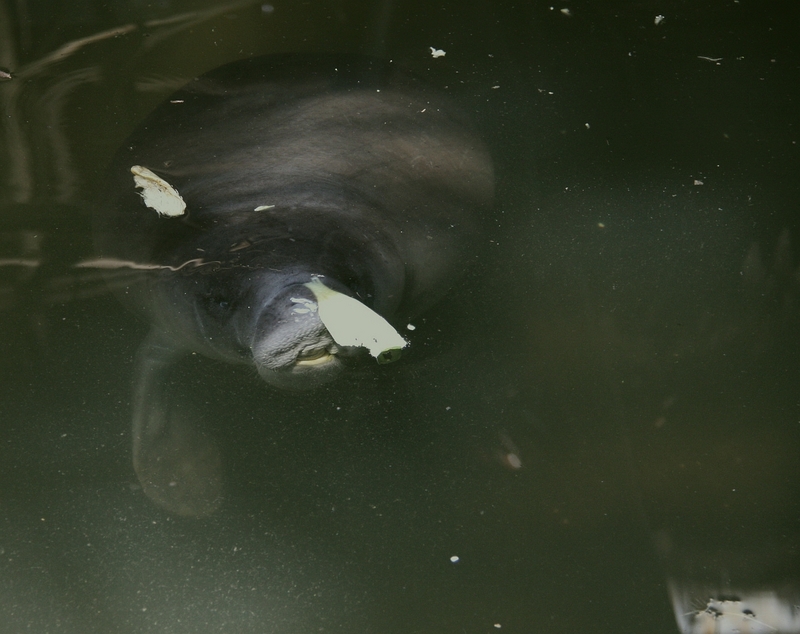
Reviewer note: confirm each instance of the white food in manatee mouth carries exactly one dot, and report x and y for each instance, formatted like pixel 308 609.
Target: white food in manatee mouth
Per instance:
pixel 316 357
pixel 352 324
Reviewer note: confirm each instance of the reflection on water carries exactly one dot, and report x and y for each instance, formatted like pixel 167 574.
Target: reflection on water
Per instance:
pixel 756 613
pixel 729 592
pixel 602 426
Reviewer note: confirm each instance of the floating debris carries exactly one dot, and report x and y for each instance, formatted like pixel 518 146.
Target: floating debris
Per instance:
pixel 761 612
pixel 157 193
pixel 112 263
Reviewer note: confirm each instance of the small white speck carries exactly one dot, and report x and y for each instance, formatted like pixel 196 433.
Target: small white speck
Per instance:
pixel 566 12
pixel 437 52
pixel 263 207
pixel 698 182
pixel 176 101
pixel 455 559
pixel 587 125
pixel 447 409
pixel 498 626
pixel 659 19
pixel 411 326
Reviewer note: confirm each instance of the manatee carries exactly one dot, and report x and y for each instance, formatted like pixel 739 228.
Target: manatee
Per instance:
pixel 287 213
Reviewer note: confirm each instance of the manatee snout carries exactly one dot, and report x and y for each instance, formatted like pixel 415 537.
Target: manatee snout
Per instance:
pixel 291 347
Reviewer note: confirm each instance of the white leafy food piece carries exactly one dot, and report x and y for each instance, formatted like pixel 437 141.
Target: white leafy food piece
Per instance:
pixel 157 193
pixel 350 323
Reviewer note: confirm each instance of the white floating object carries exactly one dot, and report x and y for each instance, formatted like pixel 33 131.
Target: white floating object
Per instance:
pixel 759 612
pixel 350 323
pixel 659 19
pixel 455 559
pixel 437 52
pixel 157 193
pixel 263 207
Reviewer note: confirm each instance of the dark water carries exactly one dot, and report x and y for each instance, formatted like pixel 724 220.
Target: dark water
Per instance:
pixel 630 338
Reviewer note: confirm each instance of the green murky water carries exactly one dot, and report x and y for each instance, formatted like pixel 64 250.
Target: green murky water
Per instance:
pixel 610 401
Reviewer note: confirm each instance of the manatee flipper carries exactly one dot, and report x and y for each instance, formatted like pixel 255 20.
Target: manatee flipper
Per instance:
pixel 178 466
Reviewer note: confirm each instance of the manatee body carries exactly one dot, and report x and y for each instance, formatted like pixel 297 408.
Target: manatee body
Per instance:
pixel 290 169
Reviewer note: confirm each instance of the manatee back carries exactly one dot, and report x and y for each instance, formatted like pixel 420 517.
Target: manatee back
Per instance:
pixel 349 143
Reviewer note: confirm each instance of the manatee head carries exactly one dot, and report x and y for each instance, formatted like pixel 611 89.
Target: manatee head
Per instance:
pixel 260 302
pixel 290 345
pixel 261 318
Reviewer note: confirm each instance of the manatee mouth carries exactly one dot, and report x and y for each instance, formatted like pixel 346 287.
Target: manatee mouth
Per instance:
pixel 291 346
pixel 315 363
pixel 315 357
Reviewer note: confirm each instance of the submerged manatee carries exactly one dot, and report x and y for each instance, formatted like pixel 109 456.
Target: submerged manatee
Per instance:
pixel 278 211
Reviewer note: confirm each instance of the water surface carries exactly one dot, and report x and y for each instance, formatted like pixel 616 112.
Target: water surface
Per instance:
pixel 607 404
